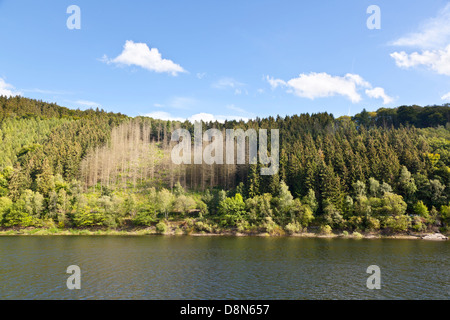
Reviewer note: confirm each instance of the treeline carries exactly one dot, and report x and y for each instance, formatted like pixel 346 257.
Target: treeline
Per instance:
pixel 387 170
pixel 419 117
pixel 20 107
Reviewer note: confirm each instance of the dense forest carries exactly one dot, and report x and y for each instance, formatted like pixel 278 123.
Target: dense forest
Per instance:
pixel 386 171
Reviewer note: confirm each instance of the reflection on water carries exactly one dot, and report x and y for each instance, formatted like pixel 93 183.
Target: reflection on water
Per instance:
pixel 150 267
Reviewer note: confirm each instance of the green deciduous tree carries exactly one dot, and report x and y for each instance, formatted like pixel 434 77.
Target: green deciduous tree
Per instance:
pixel 232 210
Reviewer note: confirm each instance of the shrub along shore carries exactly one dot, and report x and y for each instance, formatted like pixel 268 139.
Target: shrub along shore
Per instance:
pixel 189 229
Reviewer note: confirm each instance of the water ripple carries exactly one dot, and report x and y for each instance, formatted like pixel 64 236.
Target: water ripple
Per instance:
pixel 221 268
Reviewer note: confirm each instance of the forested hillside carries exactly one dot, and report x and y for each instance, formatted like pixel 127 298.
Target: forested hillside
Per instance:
pixel 383 171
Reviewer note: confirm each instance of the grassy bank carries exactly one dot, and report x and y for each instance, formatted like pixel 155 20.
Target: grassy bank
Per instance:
pixel 173 229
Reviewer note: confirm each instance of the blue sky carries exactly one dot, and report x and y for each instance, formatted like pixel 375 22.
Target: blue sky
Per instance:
pixel 228 59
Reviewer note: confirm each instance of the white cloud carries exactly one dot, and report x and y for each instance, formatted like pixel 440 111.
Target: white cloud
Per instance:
pixel 240 111
pixel 141 55
pixel 230 83
pixel 433 33
pixel 201 75
pixel 436 60
pixel 205 117
pixel 433 39
pixel 234 108
pixel 87 103
pixel 446 96
pixel 84 103
pixel 358 80
pixel 182 102
pixel 225 83
pixel 274 83
pixel 377 93
pixel 47 91
pixel 162 115
pixel 320 85
pixel 317 85
pixel 7 89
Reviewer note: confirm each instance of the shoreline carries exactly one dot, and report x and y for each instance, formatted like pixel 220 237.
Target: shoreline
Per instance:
pixel 153 232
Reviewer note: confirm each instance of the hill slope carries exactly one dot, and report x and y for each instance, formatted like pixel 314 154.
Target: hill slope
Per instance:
pixel 386 170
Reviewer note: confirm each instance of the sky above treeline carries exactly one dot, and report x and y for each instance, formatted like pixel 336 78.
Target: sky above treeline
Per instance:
pixel 216 60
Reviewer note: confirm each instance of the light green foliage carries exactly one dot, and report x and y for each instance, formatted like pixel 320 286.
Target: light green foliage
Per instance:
pixel 271 227
pixel 357 235
pixel 392 205
pixel 111 207
pixel 15 217
pixel 25 212
pixel 445 214
pixel 202 226
pixel 259 207
pixel 374 188
pixel 325 230
pixel 203 207
pixel 418 224
pixel 130 206
pixel 178 190
pixel 161 228
pixel 293 227
pixel 243 226
pixel 437 191
pixel 348 207
pixel 165 202
pixel 59 205
pixel 208 198
pixel 232 210
pixel 86 214
pixel 241 189
pixel 359 189
pixel 372 224
pixel 285 197
pixel 398 223
pixel 355 222
pixel 301 213
pixel 184 204
pixel 333 217
pixel 407 183
pixel 311 201
pixel 45 181
pixel 433 219
pixel 4 183
pixel 145 216
pixel 362 206
pixel 283 205
pixel 421 210
pixel 384 188
pixel 5 206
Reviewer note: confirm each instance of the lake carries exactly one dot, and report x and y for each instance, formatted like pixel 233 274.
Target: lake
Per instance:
pixel 187 267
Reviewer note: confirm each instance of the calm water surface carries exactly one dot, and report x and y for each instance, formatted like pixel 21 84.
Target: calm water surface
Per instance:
pixel 150 267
